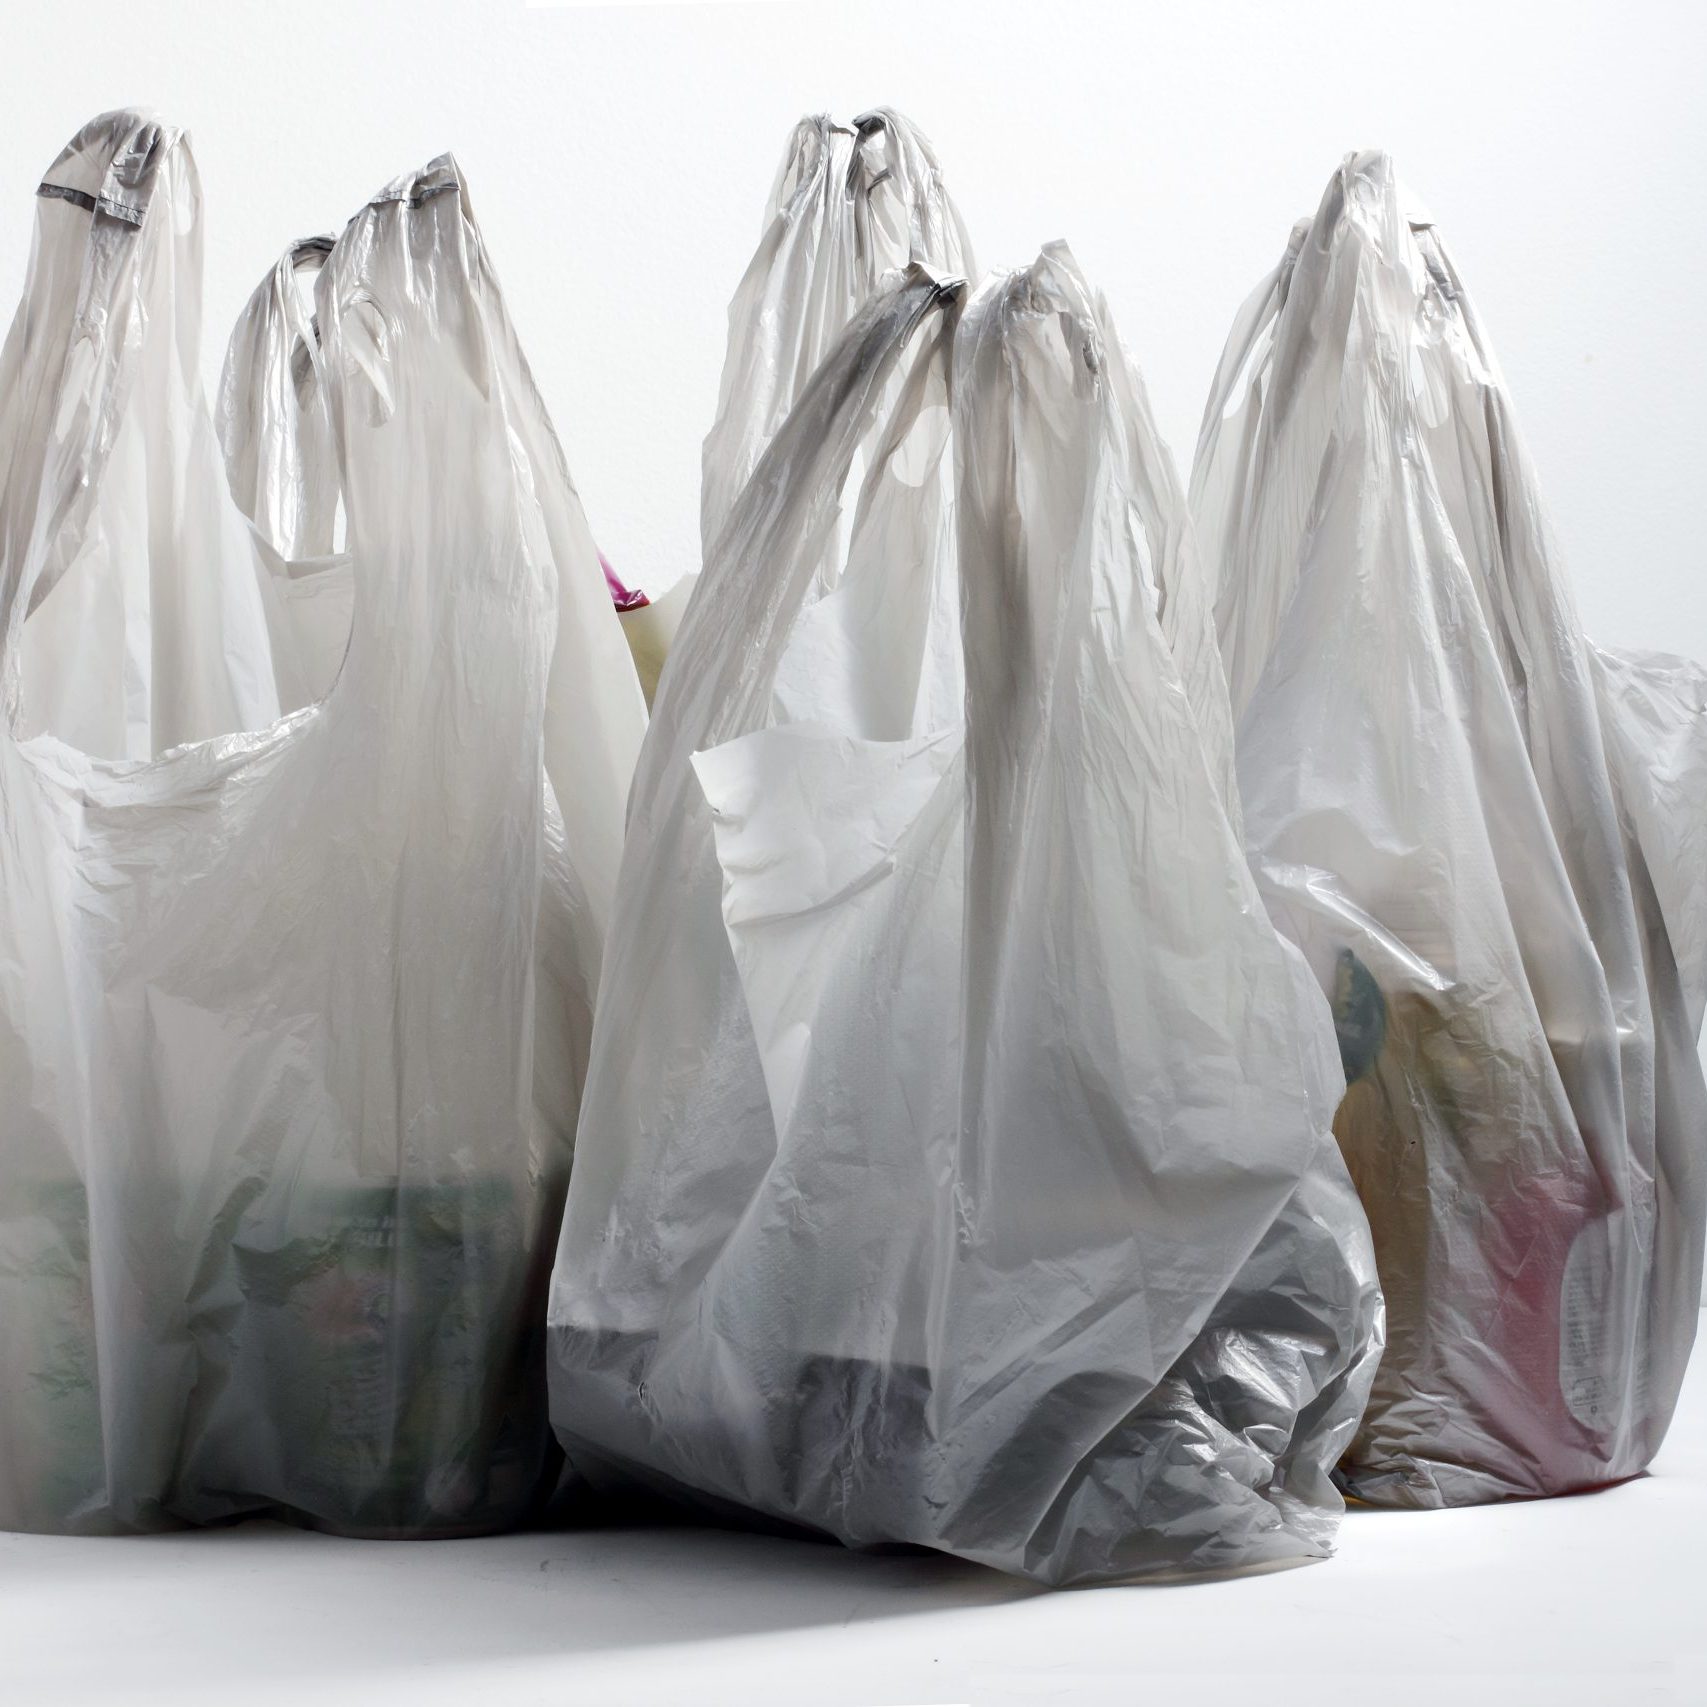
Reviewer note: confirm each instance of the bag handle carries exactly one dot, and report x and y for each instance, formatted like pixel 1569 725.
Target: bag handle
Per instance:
pixel 826 241
pixel 937 235
pixel 411 329
pixel 760 569
pixel 111 170
pixel 1181 589
pixel 285 490
pixel 1076 705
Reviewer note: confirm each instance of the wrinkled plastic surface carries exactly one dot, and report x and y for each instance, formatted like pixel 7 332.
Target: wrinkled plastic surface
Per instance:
pixel 850 204
pixel 275 429
pixel 1488 838
pixel 955 1164
pixel 275 1199
pixel 147 611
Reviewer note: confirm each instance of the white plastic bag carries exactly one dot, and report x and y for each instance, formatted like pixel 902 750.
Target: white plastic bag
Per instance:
pixel 147 625
pixel 954 1166
pixel 1490 841
pixel 274 1197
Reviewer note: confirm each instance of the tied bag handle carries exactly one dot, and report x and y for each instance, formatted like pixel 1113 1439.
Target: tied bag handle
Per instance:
pixel 777 308
pixel 759 571
pixel 849 204
pixel 274 425
pixel 416 399
pixel 112 170
pixel 275 374
pixel 892 154
pixel 809 152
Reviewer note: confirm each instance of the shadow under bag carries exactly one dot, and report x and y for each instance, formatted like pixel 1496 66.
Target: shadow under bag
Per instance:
pixel 273 1190
pixel 955 1164
pixel 1490 840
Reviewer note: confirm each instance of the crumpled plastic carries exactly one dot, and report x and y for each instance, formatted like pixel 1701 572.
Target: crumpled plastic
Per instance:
pixel 278 1180
pixel 1490 840
pixel 955 1164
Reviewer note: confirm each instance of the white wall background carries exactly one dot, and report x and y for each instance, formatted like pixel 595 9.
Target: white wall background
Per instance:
pixel 620 156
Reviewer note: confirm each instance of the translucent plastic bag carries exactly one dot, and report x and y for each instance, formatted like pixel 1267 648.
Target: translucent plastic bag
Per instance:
pixel 1488 838
pixel 147 624
pixel 274 1197
pixel 955 1166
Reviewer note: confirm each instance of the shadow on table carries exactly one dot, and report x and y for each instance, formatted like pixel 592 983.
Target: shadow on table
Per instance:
pixel 621 1577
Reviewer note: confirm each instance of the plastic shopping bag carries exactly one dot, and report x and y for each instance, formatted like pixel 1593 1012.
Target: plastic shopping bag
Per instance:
pixel 274 1195
pixel 1488 839
pixel 955 1163
pixel 147 624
